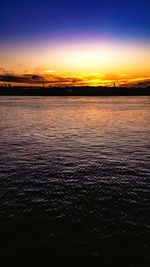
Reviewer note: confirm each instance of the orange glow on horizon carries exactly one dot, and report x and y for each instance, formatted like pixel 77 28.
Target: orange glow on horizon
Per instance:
pixel 79 63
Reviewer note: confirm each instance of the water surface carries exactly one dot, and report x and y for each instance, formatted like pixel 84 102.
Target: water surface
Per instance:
pixel 75 176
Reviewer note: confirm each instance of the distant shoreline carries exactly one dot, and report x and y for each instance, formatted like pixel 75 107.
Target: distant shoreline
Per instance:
pixel 75 91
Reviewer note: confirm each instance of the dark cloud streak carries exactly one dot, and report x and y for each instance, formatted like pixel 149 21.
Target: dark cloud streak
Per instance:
pixel 63 80
pixel 38 79
pixel 25 78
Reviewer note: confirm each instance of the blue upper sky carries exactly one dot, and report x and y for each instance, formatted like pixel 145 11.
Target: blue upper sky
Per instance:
pixel 22 20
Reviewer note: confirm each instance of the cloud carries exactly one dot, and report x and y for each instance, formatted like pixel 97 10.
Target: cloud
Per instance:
pixel 25 78
pixel 3 70
pixel 136 82
pixel 57 79
pixel 142 83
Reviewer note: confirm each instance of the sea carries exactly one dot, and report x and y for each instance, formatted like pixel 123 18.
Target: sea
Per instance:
pixel 75 177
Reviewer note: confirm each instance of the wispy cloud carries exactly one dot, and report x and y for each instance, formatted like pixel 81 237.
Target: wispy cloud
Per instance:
pixel 25 78
pixel 53 78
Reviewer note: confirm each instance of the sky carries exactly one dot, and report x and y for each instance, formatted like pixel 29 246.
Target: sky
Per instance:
pixel 76 42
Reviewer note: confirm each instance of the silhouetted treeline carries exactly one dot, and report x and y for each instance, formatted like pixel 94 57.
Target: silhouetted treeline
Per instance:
pixel 75 91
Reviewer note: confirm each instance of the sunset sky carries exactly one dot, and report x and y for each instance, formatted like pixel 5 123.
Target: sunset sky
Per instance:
pixel 76 42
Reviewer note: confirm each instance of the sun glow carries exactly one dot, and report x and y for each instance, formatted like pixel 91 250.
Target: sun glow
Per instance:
pixel 88 60
pixel 49 71
pixel 80 62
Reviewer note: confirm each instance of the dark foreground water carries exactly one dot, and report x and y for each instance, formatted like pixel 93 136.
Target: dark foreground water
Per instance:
pixel 75 177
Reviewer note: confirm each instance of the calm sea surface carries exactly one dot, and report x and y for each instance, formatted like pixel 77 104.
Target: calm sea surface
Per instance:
pixel 75 176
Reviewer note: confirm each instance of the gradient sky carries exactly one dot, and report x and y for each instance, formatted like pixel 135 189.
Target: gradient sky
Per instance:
pixel 76 42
